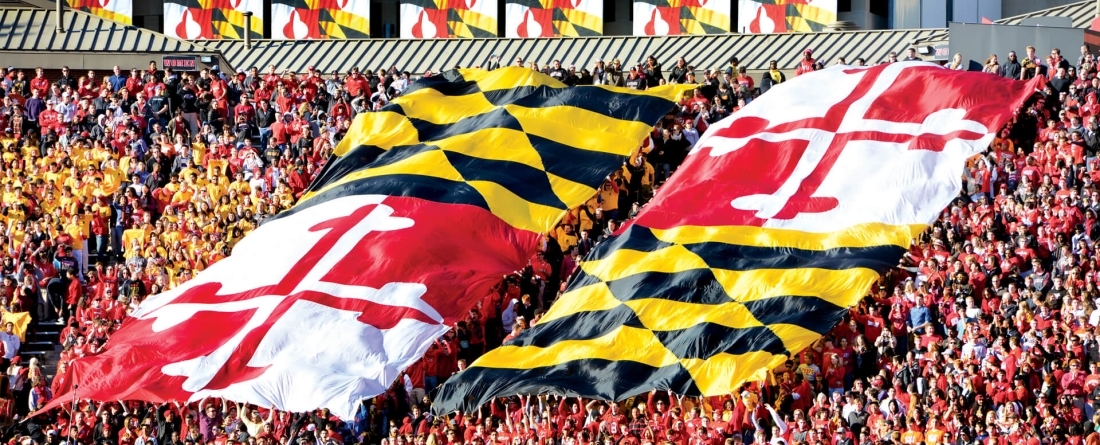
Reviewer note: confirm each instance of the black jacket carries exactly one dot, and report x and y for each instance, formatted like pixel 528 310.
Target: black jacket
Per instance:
pixel 678 74
pixel 1011 69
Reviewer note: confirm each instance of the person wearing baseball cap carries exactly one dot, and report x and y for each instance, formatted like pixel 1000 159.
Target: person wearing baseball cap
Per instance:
pixel 807 64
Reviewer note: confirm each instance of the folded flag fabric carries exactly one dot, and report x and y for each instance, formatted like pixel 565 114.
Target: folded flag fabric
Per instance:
pixel 423 208
pixel 777 223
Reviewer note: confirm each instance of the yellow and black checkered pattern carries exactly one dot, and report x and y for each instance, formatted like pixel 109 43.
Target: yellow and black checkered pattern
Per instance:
pixel 513 141
pixel 693 310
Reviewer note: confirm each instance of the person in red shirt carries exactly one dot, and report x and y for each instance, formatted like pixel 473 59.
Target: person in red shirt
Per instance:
pixel 280 131
pixel 264 93
pixel 807 64
pixel 49 119
pixel 356 84
pixel 74 295
pixel 40 83
pixel 309 91
pixel 285 99
pixel 134 83
pixel 297 128
pixel 271 79
pixel 245 108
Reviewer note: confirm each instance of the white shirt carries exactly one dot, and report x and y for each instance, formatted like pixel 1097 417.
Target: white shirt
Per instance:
pixel 16 379
pixel 11 344
pixel 692 135
pixel 400 84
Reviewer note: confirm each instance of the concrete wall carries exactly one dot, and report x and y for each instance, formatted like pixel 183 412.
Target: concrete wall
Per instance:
pixel 1016 7
pixel 976 42
pixel 78 62
pixel 973 11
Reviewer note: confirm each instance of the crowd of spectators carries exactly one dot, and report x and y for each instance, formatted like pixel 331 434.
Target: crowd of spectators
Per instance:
pixel 119 186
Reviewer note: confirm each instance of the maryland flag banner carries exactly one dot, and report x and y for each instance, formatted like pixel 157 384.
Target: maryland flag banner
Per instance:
pixel 211 19
pixel 551 18
pixel 776 224
pixel 20 321
pixel 121 11
pixel 772 16
pixel 422 209
pixel 428 19
pixel 320 19
pixel 675 17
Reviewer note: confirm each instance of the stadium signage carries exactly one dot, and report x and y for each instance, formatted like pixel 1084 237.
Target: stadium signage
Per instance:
pixel 185 63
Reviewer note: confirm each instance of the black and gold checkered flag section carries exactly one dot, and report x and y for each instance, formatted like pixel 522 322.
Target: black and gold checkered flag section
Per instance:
pixel 513 141
pixel 693 310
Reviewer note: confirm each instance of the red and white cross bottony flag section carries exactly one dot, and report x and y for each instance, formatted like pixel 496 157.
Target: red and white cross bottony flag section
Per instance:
pixel 314 309
pixel 805 155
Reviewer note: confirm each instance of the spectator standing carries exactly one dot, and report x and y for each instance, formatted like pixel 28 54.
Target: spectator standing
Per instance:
pixel 771 78
pixel 653 73
pixel 1011 68
pixel 807 63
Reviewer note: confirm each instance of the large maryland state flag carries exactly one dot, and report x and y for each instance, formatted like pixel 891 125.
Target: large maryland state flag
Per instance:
pixel 425 205
pixel 775 225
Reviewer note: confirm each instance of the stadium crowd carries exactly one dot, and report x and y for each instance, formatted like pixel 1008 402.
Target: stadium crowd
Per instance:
pixel 118 186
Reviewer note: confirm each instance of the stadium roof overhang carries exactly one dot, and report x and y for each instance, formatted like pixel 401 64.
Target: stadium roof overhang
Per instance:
pixel 29 37
pixel 1081 14
pixel 28 34
pixel 702 52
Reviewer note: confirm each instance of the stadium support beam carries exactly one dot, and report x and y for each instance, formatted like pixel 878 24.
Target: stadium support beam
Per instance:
pixel 60 15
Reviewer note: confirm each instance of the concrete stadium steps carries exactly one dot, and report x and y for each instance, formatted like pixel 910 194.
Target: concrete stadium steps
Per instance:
pixel 44 343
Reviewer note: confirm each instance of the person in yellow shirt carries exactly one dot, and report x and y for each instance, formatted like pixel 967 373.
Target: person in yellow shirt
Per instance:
pixel 171 215
pixel 246 224
pixel 71 178
pixel 189 172
pixel 87 160
pixel 9 177
pixel 51 202
pixel 217 188
pixel 94 190
pixel 565 236
pixel 101 153
pixel 8 140
pixel 224 207
pixel 241 186
pixel 16 212
pixel 67 202
pixel 172 235
pixel 133 239
pixel 9 197
pixel 217 170
pixel 129 161
pixel 586 214
pixel 182 196
pixel 198 150
pixel 76 229
pixel 155 249
pixel 18 233
pixel 112 178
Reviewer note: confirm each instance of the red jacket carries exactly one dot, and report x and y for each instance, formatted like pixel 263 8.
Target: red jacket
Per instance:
pixel 76 290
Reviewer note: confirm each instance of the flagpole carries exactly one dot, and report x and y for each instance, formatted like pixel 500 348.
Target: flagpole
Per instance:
pixel 72 415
